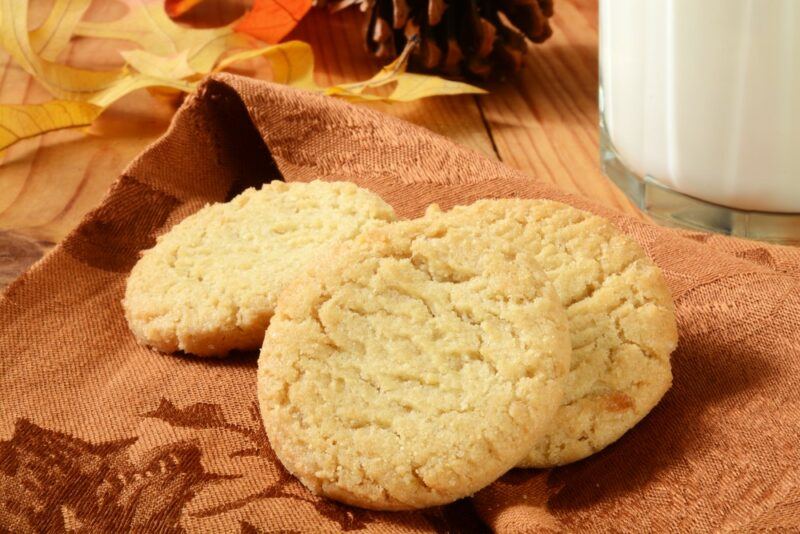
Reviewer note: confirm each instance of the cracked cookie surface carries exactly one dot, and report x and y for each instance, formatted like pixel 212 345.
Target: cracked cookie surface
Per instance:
pixel 210 284
pixel 621 315
pixel 403 371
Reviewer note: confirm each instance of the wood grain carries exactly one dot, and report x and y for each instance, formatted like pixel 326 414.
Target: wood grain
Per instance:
pixel 543 121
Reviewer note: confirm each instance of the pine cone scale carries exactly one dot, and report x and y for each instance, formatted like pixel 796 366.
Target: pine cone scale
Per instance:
pixel 473 37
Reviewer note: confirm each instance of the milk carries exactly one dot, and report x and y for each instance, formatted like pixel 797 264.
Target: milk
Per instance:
pixel 704 96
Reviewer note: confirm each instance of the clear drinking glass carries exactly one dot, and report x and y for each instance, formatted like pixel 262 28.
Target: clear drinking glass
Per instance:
pixel 700 112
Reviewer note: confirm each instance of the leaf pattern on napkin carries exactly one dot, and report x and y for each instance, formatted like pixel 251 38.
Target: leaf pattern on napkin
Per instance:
pixel 40 470
pixel 209 416
pixel 51 481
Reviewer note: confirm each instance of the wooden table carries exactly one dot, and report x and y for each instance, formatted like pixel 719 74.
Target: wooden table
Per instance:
pixel 543 121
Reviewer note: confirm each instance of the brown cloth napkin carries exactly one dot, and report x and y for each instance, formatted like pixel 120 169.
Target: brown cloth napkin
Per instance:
pixel 100 434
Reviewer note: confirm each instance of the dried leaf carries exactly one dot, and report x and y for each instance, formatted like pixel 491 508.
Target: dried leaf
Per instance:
pixel 133 82
pixel 100 88
pixel 175 67
pixel 272 20
pixel 53 36
pixel 292 63
pixel 171 58
pixel 80 94
pixel 412 86
pixel 409 86
pixel 149 26
pixel 62 81
pixel 22 121
pixel 176 8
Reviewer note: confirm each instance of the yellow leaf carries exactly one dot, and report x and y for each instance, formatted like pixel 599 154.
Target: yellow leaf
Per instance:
pixel 29 120
pixel 49 39
pixel 148 25
pixel 22 121
pixel 81 93
pixel 63 82
pixel 175 67
pixel 132 82
pixel 412 86
pixel 409 86
pixel 169 59
pixel 292 63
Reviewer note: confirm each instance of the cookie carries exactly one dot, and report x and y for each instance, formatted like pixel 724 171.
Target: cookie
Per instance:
pixel 620 311
pixel 395 376
pixel 210 284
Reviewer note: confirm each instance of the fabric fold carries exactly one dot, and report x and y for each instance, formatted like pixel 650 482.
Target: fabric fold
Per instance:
pixel 97 432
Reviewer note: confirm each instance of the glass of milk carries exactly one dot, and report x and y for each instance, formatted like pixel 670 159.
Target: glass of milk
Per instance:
pixel 700 112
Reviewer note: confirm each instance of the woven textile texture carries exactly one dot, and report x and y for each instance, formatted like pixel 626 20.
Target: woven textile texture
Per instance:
pixel 98 433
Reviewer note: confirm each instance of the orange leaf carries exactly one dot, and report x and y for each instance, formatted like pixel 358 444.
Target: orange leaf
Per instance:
pixel 272 20
pixel 176 8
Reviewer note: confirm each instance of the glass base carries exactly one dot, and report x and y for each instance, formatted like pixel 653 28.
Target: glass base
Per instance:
pixel 672 208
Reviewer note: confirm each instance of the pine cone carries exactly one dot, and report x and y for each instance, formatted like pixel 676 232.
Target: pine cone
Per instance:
pixel 474 37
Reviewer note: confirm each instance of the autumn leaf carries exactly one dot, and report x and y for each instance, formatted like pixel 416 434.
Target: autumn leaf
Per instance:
pixel 293 64
pixel 81 94
pixel 149 26
pixel 62 81
pixel 53 36
pixel 136 81
pixel 170 58
pixel 268 20
pixel 409 86
pixel 272 20
pixel 23 121
pixel 99 88
pixel 175 67
pixel 176 8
